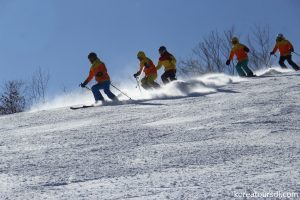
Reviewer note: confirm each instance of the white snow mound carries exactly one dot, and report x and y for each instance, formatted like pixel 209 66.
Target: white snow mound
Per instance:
pixel 181 88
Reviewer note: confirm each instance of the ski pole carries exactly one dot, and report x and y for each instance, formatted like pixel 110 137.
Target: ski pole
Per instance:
pixel 268 63
pixel 85 87
pixel 138 84
pixel 121 91
pixel 296 53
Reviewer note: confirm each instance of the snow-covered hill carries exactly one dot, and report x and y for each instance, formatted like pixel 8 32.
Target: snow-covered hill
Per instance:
pixel 214 137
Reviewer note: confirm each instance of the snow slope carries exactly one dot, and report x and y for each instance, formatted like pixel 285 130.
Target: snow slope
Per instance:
pixel 217 136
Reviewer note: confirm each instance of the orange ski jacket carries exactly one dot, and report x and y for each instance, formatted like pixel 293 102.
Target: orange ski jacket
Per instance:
pixel 239 50
pixel 284 46
pixel 147 66
pixel 99 71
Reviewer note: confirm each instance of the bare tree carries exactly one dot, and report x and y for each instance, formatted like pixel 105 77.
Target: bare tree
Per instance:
pixel 38 87
pixel 260 45
pixel 190 67
pixel 209 55
pixel 12 100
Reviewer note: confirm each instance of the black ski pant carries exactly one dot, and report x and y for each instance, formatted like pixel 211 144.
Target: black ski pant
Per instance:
pixel 168 76
pixel 289 59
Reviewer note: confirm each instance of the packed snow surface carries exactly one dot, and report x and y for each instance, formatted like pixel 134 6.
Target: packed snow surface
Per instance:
pixel 211 137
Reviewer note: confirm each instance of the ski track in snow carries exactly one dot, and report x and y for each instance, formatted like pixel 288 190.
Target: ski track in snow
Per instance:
pixel 232 135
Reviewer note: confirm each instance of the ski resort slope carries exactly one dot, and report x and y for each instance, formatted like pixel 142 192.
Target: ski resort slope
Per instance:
pixel 238 137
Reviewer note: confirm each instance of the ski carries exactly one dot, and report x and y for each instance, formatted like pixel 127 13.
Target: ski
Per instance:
pixel 108 103
pixel 81 107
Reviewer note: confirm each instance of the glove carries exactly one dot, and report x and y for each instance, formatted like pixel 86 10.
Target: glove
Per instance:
pixel 228 62
pixel 136 74
pixel 83 84
pixel 271 53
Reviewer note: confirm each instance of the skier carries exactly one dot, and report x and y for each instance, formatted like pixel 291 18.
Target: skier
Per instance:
pixel 147 66
pixel 285 49
pixel 169 62
pixel 99 71
pixel 240 51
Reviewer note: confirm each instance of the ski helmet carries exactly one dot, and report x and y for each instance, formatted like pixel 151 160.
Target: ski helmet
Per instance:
pixel 280 35
pixel 162 49
pixel 234 40
pixel 92 56
pixel 141 54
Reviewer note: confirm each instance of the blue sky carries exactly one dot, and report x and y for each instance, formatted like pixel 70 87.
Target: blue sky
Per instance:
pixel 57 35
